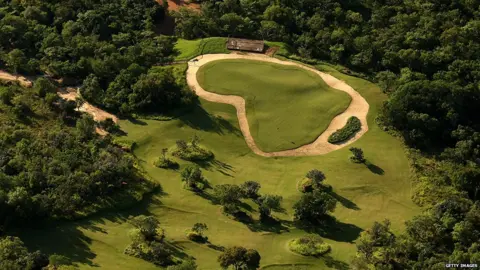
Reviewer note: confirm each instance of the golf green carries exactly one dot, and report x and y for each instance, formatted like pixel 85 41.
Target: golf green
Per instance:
pixel 286 106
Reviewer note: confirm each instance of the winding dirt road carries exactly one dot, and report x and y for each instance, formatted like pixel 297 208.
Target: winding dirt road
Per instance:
pixel 358 107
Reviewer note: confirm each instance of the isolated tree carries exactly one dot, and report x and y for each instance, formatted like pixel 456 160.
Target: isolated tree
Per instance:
pixel 267 204
pixel 195 140
pixel 317 177
pixel 164 153
pixel 250 189
pixel 313 207
pixel 192 176
pixel 229 197
pixel 239 258
pixel 228 193
pixel 148 226
pixel 199 228
pixel 357 155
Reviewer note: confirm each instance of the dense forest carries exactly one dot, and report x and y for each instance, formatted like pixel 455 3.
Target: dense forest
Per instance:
pixel 424 54
pixel 107 46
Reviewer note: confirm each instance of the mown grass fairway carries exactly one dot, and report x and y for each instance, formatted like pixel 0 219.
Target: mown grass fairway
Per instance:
pixel 286 106
pixel 366 194
pixel 191 48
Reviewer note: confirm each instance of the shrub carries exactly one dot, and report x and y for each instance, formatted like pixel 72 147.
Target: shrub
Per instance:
pixel 165 163
pixel 305 185
pixel 196 237
pixel 353 126
pixel 126 145
pixel 309 246
pixel 357 155
pixel 193 178
pixel 109 125
pixel 191 151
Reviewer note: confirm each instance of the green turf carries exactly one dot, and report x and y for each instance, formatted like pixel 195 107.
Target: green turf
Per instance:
pixel 287 106
pixel 367 194
pixel 189 49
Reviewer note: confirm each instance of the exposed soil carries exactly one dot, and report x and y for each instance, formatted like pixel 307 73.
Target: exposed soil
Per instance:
pixel 177 4
pixel 68 93
pixel 358 106
pixel 98 114
pixel 271 51
pixel 23 81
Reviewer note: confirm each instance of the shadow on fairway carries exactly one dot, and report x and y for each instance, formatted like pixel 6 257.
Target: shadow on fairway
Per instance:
pixel 271 225
pixel 374 168
pixel 198 118
pixel 344 201
pixel 332 263
pixel 67 238
pixel 334 230
pixel 214 164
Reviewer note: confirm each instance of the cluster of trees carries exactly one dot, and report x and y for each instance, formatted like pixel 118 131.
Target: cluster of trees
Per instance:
pixel 426 57
pixel 316 204
pixel 239 258
pixel 230 196
pixel 109 46
pixel 449 232
pixel 51 169
pixel 148 241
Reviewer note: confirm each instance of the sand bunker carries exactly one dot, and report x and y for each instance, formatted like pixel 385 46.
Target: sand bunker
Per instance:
pixel 358 106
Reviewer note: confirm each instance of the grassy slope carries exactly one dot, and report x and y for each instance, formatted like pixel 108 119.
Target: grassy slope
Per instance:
pixel 287 106
pixel 191 48
pixel 99 242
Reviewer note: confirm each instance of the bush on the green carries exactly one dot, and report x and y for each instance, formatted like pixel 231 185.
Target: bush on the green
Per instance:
pixel 353 126
pixel 309 246
pixel 165 163
pixel 191 151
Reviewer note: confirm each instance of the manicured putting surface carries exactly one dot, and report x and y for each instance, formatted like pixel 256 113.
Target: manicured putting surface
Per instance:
pixel 286 106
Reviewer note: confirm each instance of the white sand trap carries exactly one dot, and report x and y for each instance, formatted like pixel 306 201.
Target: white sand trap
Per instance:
pixel 358 106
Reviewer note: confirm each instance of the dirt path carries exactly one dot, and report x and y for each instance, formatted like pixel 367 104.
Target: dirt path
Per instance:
pixel 358 107
pixel 68 93
pixel 23 81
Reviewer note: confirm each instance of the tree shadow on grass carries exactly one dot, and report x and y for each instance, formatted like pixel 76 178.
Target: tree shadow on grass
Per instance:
pixel 344 201
pixel 136 121
pixel 334 230
pixel 268 225
pixel 216 247
pixel 68 238
pixel 214 164
pixel 335 264
pixel 198 118
pixel 374 168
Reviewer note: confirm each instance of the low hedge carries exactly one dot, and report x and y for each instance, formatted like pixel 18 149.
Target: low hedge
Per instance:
pixel 353 126
pixel 165 163
pixel 309 246
pixel 192 153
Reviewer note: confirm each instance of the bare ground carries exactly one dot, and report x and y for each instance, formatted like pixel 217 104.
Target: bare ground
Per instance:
pixel 358 107
pixel 68 93
pixel 23 81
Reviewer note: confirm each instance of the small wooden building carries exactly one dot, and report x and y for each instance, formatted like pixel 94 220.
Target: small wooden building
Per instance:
pixel 245 45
